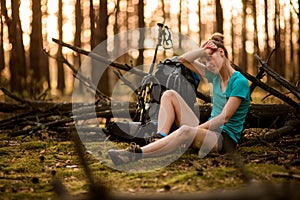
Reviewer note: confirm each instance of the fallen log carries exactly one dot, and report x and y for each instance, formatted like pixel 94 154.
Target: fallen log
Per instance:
pixel 40 126
pixel 259 115
pixel 290 127
pixel 12 107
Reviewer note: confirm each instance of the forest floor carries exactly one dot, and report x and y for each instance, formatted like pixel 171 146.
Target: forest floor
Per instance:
pixel 30 164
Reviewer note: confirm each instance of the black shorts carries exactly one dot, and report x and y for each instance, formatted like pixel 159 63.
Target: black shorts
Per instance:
pixel 228 144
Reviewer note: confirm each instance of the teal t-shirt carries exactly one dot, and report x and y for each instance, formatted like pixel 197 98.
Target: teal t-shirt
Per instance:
pixel 237 86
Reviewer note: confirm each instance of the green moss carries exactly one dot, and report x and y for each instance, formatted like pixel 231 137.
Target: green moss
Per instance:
pixel 180 177
pixel 20 162
pixel 6 151
pixel 34 145
pixel 262 171
pixel 65 146
pixel 254 150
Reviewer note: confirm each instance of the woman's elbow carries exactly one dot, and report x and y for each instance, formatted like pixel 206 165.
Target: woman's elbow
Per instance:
pixel 226 119
pixel 183 60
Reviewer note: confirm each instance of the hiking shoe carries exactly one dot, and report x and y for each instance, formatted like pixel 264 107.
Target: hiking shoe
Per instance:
pixel 120 157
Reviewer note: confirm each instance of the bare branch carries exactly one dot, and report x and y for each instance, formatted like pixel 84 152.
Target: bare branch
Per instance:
pixel 93 55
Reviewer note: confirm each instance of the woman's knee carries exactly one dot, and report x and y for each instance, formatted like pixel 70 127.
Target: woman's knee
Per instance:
pixel 187 132
pixel 170 94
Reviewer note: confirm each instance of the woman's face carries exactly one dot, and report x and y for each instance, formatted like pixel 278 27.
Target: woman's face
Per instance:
pixel 213 60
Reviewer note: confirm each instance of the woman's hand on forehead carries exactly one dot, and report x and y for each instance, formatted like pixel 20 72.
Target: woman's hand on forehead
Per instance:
pixel 210 45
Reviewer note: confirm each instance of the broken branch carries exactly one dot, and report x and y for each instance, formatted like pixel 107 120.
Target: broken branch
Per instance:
pixel 278 78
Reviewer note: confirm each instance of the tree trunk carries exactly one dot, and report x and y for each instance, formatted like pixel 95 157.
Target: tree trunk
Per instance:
pixel 92 23
pixel 179 24
pixel 100 22
pixel 19 50
pixel 44 57
pixel 94 68
pixel 36 54
pixel 268 51
pixel 219 16
pixel 232 37
pixel 162 9
pixel 298 40
pixel 2 60
pixel 17 61
pixel 255 34
pixel 77 38
pixel 278 44
pixel 116 27
pixel 243 58
pixel 199 22
pixel 187 13
pixel 140 60
pixel 293 72
pixel 105 85
pixel 60 68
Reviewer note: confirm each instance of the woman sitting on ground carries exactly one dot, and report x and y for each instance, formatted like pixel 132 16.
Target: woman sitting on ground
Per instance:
pixel 231 99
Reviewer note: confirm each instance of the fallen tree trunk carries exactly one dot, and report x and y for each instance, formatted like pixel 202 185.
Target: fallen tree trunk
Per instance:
pixel 259 115
pixel 269 115
pixel 290 127
pixel 256 112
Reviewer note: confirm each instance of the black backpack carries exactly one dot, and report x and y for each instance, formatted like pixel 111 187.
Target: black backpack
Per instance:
pixel 172 74
pixel 169 74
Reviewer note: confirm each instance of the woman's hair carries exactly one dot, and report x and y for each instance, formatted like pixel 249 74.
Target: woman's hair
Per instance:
pixel 218 40
pixel 218 37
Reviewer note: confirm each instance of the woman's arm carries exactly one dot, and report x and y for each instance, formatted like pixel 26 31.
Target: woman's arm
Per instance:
pixel 228 111
pixel 190 60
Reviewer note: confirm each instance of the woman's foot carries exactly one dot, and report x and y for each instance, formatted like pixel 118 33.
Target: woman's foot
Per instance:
pixel 120 157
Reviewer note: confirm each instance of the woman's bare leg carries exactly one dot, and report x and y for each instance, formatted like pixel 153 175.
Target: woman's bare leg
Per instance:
pixel 207 139
pixel 197 138
pixel 182 136
pixel 174 109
